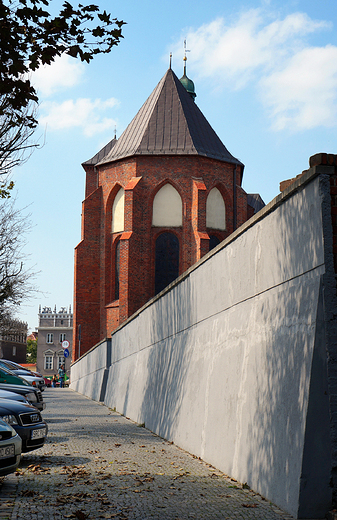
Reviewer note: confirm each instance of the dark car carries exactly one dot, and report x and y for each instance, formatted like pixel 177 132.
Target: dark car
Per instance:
pixel 12 383
pixel 4 394
pixel 32 378
pixel 26 421
pixel 10 449
pixel 33 396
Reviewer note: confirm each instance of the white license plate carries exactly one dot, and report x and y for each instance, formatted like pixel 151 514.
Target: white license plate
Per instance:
pixel 7 451
pixel 38 434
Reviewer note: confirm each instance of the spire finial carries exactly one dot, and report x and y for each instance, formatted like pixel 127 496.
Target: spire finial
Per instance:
pixel 115 133
pixel 185 81
pixel 185 57
pixel 170 59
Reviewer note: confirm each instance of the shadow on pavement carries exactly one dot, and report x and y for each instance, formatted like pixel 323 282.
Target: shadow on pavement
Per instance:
pixel 51 460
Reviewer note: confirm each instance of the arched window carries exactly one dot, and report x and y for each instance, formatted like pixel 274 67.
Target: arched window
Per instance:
pixel 213 241
pixel 118 212
pixel 215 210
pixel 167 260
pixel 167 208
pixel 117 266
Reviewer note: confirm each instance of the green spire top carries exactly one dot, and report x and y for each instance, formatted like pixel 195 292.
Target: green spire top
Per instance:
pixel 185 81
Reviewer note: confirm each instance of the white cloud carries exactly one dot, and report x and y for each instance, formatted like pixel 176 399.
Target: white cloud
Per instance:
pixel 296 82
pixel 64 72
pixel 83 113
pixel 304 93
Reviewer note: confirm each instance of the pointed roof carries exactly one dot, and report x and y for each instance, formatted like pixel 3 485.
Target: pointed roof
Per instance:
pixel 102 153
pixel 169 123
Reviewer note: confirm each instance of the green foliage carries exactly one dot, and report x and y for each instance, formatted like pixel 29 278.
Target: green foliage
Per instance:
pixel 31 350
pixel 5 189
pixel 31 37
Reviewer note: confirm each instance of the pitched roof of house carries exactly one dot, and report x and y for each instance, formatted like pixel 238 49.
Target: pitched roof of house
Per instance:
pixel 255 200
pixel 169 123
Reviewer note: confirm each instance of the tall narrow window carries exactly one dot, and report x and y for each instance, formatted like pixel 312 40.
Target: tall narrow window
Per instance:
pixel 117 266
pixel 48 362
pixel 215 210
pixel 167 208
pixel 167 260
pixel 213 242
pixel 118 212
pixel 49 338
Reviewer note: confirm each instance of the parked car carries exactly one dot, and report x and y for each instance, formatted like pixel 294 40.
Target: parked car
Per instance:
pixel 26 421
pixel 47 381
pixel 33 396
pixel 5 394
pixel 13 383
pixel 21 367
pixel 29 376
pixel 10 449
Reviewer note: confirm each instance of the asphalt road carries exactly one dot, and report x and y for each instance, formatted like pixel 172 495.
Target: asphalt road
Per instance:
pixel 98 464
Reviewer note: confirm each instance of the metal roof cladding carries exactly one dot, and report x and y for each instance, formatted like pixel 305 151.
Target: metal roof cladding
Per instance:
pixel 169 123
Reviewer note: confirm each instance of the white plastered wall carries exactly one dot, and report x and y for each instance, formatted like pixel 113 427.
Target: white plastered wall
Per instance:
pixel 221 364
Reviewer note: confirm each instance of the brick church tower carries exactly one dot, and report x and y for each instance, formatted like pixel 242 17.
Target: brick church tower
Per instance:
pixel 156 200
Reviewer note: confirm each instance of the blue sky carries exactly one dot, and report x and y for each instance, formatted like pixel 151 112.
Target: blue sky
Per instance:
pixel 265 74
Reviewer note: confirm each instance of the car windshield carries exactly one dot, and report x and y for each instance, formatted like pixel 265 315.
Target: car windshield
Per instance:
pixel 6 365
pixel 6 371
pixel 14 367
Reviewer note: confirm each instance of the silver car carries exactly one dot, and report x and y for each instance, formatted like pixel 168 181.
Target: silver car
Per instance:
pixel 10 449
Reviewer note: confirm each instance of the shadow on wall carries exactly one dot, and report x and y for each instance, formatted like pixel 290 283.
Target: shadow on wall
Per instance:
pixel 290 458
pixel 168 360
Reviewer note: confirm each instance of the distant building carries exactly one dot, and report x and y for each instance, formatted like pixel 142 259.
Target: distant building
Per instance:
pixel 13 340
pixel 32 336
pixel 54 328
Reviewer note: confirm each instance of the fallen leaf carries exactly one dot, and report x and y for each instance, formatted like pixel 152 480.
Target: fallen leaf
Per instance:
pixel 28 493
pixel 80 515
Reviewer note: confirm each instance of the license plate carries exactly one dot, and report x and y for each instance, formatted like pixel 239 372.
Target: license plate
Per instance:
pixel 7 451
pixel 38 434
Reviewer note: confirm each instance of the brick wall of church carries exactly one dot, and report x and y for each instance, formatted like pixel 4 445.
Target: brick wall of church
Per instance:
pixel 141 177
pixel 87 275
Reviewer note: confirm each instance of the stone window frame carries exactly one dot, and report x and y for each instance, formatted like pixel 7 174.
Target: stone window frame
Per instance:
pixel 48 354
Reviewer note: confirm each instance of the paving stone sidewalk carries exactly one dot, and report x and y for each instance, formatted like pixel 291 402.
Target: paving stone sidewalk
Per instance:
pixel 98 464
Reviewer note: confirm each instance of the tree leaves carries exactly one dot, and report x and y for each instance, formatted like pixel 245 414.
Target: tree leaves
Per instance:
pixel 31 37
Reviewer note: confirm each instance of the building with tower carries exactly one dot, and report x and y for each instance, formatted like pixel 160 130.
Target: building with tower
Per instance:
pixel 54 328
pixel 13 340
pixel 156 201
